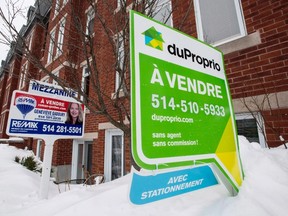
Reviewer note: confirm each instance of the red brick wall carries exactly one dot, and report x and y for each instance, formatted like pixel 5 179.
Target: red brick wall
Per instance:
pixel 184 17
pixel 3 81
pixel 62 152
pixel 259 69
pixel 98 153
pixel 276 125
pixel 262 68
pixel 8 88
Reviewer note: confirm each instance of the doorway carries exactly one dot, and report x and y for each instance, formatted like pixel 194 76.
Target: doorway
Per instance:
pixel 81 159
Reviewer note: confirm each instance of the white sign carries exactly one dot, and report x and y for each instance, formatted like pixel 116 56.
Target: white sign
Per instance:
pixel 51 117
pixel 50 90
pixel 42 117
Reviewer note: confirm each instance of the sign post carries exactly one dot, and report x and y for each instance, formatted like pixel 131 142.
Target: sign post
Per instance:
pixel 181 106
pixel 46 169
pixel 48 118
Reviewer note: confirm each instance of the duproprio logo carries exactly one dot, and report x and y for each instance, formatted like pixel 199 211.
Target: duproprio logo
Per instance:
pixel 153 38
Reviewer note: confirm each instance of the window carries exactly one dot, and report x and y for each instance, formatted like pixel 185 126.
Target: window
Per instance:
pixel 85 83
pixel 114 154
pixel 116 157
pixel 51 46
pixel 120 3
pixel 249 127
pixel 57 8
pixel 29 40
pixel 61 36
pixel 23 76
pixel 219 21
pixel 90 21
pixel 162 11
pixel 64 3
pixel 6 100
pixel 120 60
pixel 11 68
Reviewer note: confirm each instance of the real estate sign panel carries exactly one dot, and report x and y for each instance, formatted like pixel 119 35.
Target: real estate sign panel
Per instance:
pixel 181 107
pixel 34 115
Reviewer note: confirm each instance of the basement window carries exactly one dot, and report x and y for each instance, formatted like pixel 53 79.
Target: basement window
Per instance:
pixel 251 127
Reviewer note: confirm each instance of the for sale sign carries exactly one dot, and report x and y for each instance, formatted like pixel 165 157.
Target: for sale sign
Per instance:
pixel 32 115
pixel 181 106
pixel 46 112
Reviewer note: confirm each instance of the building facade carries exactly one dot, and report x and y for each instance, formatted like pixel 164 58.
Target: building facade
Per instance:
pixel 74 42
pixel 10 70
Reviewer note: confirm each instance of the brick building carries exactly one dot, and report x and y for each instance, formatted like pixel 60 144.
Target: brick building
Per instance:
pixel 10 70
pixel 253 35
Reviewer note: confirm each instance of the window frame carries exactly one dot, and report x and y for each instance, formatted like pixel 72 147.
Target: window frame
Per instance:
pixel 161 3
pixel 29 40
pixel 51 46
pixel 60 38
pixel 85 78
pixel 259 120
pixel 119 3
pixel 23 75
pixel 64 3
pixel 109 133
pixel 90 15
pixel 57 7
pixel 11 68
pixel 119 38
pixel 240 19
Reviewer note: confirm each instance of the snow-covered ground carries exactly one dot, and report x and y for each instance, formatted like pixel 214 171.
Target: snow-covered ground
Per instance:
pixel 264 191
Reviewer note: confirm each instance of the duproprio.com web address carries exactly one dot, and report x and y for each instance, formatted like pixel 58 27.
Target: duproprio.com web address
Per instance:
pixel 171 119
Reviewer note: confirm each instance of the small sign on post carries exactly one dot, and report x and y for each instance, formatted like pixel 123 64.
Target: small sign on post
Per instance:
pixel 47 118
pixel 39 116
pixel 150 188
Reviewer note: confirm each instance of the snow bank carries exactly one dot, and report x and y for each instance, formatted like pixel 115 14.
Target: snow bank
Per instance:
pixel 263 192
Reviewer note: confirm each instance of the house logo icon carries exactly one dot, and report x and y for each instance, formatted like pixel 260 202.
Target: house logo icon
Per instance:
pixel 153 38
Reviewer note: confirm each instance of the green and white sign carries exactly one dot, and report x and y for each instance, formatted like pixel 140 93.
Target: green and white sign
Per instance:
pixel 181 106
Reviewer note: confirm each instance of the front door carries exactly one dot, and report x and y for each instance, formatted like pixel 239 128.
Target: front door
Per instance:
pixel 82 159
